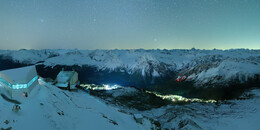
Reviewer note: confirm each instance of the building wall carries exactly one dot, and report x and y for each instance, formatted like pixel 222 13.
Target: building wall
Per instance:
pixel 31 74
pixel 18 92
pixel 74 78
pixel 6 78
pixel 30 88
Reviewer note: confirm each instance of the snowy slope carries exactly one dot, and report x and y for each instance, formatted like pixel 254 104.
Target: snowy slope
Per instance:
pixel 51 108
pixel 226 115
pixel 203 66
pixel 239 114
pixel 227 71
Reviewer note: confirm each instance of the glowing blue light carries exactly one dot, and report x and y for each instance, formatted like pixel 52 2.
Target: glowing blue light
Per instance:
pixel 19 86
pixel 32 81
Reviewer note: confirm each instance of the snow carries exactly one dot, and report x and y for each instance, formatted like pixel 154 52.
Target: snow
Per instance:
pixel 155 73
pixel 138 116
pixel 61 84
pixel 228 70
pixel 245 116
pixel 48 107
pixel 64 76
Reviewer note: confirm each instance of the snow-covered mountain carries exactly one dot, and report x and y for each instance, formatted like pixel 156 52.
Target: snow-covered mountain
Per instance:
pixel 206 68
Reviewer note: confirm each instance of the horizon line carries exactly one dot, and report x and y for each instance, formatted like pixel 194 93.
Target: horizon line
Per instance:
pixel 193 48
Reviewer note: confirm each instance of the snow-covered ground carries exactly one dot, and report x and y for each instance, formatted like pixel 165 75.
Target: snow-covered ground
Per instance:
pixel 48 107
pixel 226 115
pixel 240 114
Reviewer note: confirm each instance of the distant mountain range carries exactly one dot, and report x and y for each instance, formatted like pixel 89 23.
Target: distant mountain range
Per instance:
pixel 205 68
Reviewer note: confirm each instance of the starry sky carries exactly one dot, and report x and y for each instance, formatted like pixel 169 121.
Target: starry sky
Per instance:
pixel 129 24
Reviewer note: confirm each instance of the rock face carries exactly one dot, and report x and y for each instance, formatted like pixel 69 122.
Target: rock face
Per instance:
pixel 144 68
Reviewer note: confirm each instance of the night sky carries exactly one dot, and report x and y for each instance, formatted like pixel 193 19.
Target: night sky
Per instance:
pixel 129 24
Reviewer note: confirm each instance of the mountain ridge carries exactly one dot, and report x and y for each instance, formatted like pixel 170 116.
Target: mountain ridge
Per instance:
pixel 207 68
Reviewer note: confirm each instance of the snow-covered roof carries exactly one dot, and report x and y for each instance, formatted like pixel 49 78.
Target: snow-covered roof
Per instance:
pixel 138 116
pixel 61 84
pixel 64 76
pixel 19 75
pixel 65 85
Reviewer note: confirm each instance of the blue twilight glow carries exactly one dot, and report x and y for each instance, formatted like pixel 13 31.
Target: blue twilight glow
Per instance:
pixel 19 86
